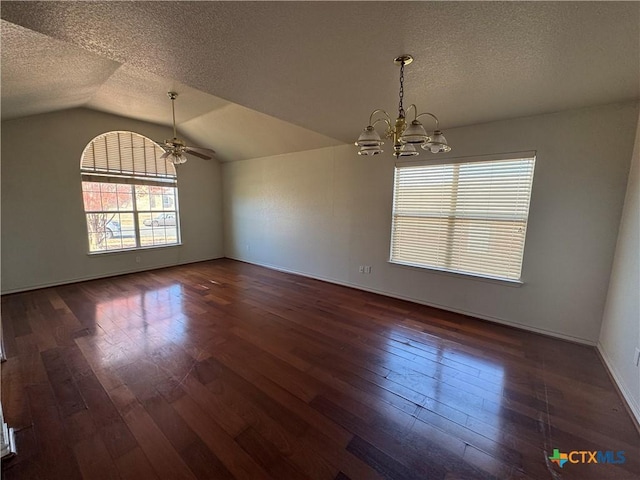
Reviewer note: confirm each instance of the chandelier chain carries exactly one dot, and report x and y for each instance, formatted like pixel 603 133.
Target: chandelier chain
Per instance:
pixel 400 106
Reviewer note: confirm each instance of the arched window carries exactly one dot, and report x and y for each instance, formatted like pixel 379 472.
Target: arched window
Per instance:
pixel 130 194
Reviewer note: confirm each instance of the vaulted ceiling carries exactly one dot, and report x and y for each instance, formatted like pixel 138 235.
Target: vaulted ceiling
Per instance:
pixel 262 78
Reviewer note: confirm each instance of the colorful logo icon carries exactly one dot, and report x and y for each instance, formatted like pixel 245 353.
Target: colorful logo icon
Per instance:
pixel 559 458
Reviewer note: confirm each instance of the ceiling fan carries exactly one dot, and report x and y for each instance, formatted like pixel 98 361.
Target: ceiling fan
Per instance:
pixel 175 148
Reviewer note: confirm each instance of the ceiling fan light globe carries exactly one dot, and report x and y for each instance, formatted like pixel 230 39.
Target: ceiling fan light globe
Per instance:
pixel 177 158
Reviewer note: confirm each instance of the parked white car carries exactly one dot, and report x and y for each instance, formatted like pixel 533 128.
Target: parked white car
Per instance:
pixel 162 219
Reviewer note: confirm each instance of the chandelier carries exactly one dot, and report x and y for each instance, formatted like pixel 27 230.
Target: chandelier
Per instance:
pixel 405 137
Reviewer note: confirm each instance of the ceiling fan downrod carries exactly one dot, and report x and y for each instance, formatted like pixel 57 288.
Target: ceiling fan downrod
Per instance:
pixel 173 96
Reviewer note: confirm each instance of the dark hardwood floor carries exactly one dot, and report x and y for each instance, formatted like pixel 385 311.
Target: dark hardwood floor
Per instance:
pixel 226 370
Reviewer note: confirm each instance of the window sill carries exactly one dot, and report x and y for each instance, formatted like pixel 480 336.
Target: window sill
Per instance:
pixel 471 276
pixel 135 249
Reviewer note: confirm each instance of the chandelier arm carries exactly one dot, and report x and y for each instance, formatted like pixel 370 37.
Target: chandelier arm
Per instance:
pixel 381 120
pixel 415 110
pixel 432 116
pixel 379 110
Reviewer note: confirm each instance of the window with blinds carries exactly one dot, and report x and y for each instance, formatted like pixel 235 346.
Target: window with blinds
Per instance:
pixel 129 193
pixel 465 215
pixel 126 155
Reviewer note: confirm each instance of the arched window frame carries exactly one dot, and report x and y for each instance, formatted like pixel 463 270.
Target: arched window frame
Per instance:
pixel 130 193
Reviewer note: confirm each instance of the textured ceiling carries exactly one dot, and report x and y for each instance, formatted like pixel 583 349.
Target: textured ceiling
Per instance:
pixel 322 66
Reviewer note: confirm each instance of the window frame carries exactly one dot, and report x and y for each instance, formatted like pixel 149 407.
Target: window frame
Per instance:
pixel 156 172
pixel 530 155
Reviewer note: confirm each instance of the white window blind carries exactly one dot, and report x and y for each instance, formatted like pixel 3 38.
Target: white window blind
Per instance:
pixel 128 156
pixel 467 216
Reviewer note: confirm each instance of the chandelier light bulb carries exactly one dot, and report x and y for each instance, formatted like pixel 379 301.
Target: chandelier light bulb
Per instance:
pixel 374 150
pixel 437 144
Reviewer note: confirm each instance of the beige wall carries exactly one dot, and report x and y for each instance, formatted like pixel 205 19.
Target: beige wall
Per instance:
pixel 44 239
pixel 322 213
pixel 620 333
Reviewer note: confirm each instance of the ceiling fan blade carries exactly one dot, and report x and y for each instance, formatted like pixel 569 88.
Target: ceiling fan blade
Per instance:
pixel 205 153
pixel 165 155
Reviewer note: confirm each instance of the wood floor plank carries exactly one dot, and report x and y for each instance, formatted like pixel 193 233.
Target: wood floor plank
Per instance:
pixel 163 457
pixel 108 423
pixel 134 465
pixel 27 465
pixel 235 459
pixel 15 405
pixel 222 369
pixel 337 455
pixel 200 460
pixel 94 459
pixel 15 321
pixel 289 401
pixel 267 455
pixel 388 466
pixel 55 455
pixel 64 386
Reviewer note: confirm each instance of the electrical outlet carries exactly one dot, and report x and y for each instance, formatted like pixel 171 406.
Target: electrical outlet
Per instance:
pixel 636 358
pixel 137 258
pixel 367 269
pixel 361 268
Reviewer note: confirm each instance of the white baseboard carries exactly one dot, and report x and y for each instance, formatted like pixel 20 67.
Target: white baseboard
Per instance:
pixel 542 331
pixel 631 403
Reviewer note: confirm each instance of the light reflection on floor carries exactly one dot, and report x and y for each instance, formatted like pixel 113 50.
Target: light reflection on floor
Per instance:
pixel 459 387
pixel 123 331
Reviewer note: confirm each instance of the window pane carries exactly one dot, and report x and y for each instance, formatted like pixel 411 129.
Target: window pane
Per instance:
pixel 156 202
pixel 109 196
pixel 156 198
pixel 103 228
pixel 159 236
pixel 158 228
pixel 127 230
pixel 172 234
pixel 91 196
pixel 146 230
pixel 169 198
pixel 142 197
